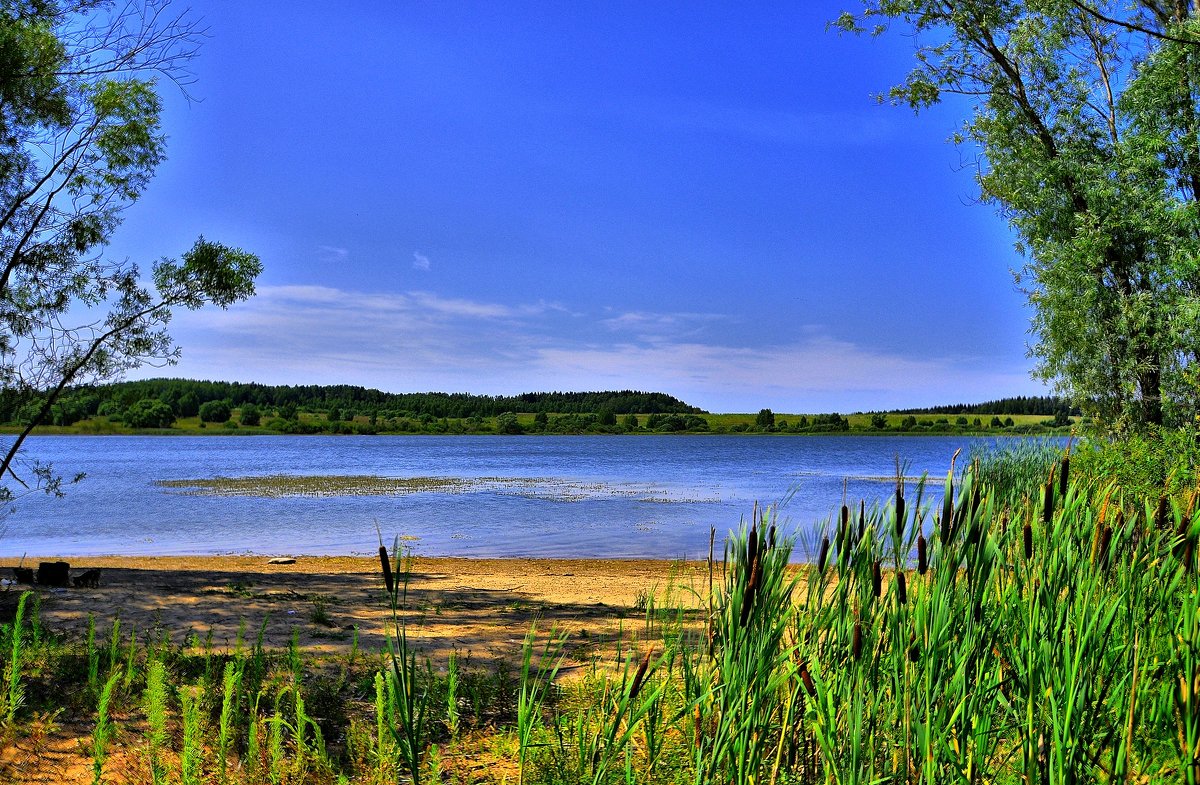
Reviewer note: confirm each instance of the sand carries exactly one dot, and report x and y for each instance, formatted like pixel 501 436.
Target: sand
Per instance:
pixel 480 607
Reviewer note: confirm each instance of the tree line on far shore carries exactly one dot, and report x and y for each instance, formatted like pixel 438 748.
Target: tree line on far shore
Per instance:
pixel 343 409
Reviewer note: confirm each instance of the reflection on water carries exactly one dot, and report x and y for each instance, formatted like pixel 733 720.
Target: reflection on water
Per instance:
pixel 609 496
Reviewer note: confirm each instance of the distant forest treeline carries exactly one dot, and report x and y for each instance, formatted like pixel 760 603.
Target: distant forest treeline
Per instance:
pixel 1041 405
pixel 185 397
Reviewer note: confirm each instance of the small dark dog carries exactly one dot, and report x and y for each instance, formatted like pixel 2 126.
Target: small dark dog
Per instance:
pixel 89 580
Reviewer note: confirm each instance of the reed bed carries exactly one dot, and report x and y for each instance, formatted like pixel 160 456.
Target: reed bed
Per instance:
pixel 1046 636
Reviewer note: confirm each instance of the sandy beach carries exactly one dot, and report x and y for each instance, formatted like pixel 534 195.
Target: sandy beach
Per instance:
pixel 480 607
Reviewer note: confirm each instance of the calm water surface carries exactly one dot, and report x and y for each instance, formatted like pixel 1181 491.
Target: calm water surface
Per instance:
pixel 602 496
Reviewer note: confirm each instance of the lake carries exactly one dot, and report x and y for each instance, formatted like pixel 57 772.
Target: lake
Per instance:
pixel 548 496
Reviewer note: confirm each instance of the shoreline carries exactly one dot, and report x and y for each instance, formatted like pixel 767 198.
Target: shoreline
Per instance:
pixel 481 608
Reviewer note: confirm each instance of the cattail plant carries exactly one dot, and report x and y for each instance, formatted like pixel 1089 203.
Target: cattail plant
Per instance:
pixel 385 562
pixel 824 555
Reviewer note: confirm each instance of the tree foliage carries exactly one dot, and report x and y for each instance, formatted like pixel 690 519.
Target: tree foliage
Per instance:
pixel 764 420
pixel 149 413
pixel 214 411
pixel 1087 121
pixel 353 401
pixel 250 416
pixel 80 138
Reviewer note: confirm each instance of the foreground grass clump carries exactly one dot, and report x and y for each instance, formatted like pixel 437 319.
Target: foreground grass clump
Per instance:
pixel 1051 636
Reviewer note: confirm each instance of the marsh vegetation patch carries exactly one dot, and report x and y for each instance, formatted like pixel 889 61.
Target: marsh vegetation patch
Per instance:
pixel 542 488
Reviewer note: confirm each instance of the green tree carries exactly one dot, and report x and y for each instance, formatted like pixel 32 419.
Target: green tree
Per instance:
pixel 149 413
pixel 79 141
pixel 879 421
pixel 214 411
pixel 250 415
pixel 188 405
pixel 1087 116
pixel 507 423
pixel 765 420
pixel 629 422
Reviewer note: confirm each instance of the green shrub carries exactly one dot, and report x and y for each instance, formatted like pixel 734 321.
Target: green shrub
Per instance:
pixel 1161 462
pixel 250 415
pixel 149 413
pixel 214 411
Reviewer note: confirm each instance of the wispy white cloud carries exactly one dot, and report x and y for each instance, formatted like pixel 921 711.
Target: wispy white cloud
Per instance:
pixel 657 327
pixel 423 341
pixel 421 261
pixel 332 254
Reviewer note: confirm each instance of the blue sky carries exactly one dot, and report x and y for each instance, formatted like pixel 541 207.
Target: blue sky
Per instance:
pixel 700 199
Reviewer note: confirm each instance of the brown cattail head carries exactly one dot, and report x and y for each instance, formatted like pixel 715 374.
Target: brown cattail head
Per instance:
pixel 1028 537
pixel 922 554
pixel 748 597
pixel 1048 503
pixel 900 516
pixel 824 555
pixel 913 652
pixel 758 575
pixel 862 518
pixel 388 582
pixel 876 579
pixel 1160 514
pixel 752 546
pixel 948 501
pixel 771 538
pixel 807 679
pixel 901 588
pixel 1064 474
pixel 640 676
pixel 856 641
pixel 1105 542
